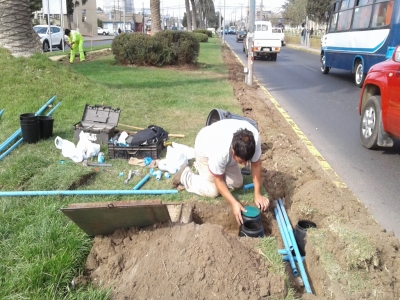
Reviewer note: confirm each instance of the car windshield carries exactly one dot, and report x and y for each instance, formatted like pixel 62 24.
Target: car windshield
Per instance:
pixel 240 32
pixel 40 30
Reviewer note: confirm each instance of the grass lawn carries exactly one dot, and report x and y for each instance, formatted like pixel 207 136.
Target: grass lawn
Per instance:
pixel 40 249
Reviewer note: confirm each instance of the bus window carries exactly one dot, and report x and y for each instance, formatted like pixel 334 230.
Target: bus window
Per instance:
pixel 362 16
pixel 344 21
pixel 332 26
pixel 344 4
pixel 381 16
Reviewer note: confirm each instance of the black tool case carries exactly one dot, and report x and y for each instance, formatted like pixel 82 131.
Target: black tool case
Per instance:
pixel 98 123
pixel 128 151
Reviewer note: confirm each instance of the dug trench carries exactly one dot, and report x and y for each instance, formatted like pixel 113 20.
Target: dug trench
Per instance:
pixel 348 256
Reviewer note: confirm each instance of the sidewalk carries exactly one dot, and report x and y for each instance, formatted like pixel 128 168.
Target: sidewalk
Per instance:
pixel 304 48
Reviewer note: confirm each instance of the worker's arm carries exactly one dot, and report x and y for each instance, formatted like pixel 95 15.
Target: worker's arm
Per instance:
pixel 237 208
pixel 261 202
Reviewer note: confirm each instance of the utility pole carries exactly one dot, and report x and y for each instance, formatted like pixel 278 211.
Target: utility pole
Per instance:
pixel 241 16
pixel 250 60
pixel 223 36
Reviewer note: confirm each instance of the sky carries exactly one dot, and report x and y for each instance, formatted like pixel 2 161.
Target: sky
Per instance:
pixel 177 7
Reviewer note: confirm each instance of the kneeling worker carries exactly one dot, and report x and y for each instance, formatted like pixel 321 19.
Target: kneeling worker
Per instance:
pixel 75 41
pixel 219 149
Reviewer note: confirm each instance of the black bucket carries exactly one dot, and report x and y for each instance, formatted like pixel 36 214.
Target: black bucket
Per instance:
pixel 218 114
pixel 251 229
pixel 46 126
pixel 28 116
pixel 30 129
pixel 300 234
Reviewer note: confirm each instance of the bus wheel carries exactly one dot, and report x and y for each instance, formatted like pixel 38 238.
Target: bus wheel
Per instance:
pixel 359 75
pixel 324 69
pixel 369 125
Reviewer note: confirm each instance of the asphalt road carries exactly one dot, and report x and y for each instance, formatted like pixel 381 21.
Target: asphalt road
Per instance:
pixel 325 109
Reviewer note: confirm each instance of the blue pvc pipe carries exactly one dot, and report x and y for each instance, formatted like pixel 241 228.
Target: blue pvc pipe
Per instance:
pixel 1 112
pixel 285 242
pixel 18 132
pixel 279 216
pixel 11 148
pixel 248 186
pixel 86 192
pixel 286 258
pixel 141 182
pixel 21 139
pixel 296 249
pixel 282 251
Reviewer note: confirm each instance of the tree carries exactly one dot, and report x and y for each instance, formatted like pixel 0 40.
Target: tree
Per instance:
pixel 16 33
pixel 317 8
pixel 155 16
pixel 188 20
pixel 295 11
pixel 34 5
pixel 194 16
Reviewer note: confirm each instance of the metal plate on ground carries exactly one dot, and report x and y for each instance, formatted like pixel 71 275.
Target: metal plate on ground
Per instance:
pixel 102 218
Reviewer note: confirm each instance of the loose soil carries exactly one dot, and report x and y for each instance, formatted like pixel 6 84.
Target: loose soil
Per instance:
pixel 207 260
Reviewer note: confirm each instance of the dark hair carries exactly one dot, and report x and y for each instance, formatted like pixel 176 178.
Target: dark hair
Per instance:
pixel 67 31
pixel 243 144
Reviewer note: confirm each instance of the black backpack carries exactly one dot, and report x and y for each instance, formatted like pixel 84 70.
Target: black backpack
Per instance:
pixel 149 136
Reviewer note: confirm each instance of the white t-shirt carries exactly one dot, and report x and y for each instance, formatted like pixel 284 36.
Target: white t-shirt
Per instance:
pixel 214 142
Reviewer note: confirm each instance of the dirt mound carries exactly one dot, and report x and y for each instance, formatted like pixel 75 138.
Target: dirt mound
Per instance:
pixel 187 261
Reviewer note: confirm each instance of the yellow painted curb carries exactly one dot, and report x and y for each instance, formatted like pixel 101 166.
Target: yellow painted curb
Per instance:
pixel 314 152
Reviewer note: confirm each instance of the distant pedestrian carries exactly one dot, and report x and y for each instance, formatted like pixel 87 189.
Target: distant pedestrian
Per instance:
pixel 119 31
pixel 75 42
pixel 311 31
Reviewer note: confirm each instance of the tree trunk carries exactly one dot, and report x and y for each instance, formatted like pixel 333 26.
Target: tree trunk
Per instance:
pixel 16 33
pixel 194 18
pixel 188 16
pixel 155 16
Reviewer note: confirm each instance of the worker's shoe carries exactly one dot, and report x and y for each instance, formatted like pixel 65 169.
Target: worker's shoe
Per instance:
pixel 176 180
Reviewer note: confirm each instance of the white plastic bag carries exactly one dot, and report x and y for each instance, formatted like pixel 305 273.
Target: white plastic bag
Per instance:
pixel 83 150
pixel 87 148
pixel 68 149
pixel 174 159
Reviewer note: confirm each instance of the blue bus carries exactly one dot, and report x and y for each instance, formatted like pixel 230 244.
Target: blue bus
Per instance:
pixel 360 33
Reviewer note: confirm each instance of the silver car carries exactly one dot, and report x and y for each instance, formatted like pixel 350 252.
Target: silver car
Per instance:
pixel 57 36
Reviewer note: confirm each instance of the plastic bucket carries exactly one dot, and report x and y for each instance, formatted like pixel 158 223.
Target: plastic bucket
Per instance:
pixel 251 229
pixel 30 129
pixel 28 116
pixel 300 234
pixel 218 114
pixel 46 126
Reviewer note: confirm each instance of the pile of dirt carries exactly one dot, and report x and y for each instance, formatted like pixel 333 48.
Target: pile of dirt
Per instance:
pixel 187 261
pixel 208 260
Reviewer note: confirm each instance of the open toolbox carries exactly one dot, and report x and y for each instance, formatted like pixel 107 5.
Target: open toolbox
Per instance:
pixel 98 123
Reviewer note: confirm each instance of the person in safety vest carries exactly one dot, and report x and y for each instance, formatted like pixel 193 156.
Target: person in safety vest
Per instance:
pixel 75 41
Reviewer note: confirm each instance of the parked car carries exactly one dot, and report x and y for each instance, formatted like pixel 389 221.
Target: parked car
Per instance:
pixel 102 31
pixel 379 104
pixel 240 35
pixel 57 36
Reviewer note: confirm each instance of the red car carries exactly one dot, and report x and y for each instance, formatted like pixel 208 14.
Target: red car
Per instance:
pixel 379 105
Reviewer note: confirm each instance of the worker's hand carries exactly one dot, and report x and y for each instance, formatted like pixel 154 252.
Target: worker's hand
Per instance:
pixel 261 202
pixel 237 209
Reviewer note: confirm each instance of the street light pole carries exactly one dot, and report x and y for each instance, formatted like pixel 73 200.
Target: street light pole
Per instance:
pixel 250 60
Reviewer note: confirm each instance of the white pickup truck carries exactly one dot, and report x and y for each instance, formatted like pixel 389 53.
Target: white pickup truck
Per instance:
pixel 279 33
pixel 266 43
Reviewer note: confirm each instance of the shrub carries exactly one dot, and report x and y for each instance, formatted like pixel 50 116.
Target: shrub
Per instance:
pixel 203 31
pixel 164 48
pixel 201 37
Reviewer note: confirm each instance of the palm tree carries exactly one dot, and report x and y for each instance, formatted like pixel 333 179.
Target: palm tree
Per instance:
pixel 194 17
pixel 16 33
pixel 155 16
pixel 188 19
